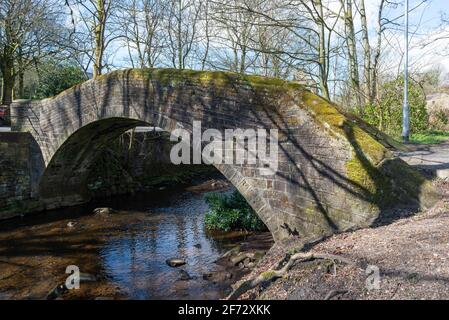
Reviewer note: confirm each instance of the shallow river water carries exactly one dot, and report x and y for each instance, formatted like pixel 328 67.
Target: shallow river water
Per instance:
pixel 126 251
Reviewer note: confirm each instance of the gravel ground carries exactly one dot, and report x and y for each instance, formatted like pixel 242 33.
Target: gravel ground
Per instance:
pixel 411 256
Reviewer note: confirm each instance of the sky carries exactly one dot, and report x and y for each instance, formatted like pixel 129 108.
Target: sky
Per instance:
pixel 428 49
pixel 434 35
pixel 429 40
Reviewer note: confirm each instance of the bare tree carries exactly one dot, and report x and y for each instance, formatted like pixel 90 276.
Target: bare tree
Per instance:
pixel 237 27
pixel 353 61
pixel 141 23
pixel 181 25
pixel 27 35
pixel 377 52
pixel 369 99
pixel 93 32
pixel 308 25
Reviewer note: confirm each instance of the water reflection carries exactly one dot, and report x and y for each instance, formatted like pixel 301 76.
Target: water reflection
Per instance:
pixel 127 250
pixel 135 259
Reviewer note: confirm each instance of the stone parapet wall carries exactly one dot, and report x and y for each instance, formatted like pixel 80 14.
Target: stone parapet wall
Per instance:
pixel 133 162
pixel 21 166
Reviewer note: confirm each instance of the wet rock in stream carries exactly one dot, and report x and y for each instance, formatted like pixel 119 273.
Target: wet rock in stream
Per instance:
pixel 87 277
pixel 184 276
pixel 71 224
pixel 174 262
pixel 220 276
pixel 57 292
pixel 103 212
pixel 61 289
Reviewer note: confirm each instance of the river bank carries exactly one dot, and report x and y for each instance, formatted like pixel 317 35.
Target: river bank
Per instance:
pixel 402 260
pixel 123 255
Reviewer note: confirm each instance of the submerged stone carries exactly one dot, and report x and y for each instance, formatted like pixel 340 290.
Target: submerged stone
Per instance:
pixel 104 211
pixel 175 262
pixel 184 275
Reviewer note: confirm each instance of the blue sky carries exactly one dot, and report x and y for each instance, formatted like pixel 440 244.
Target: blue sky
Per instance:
pixel 430 31
pixel 428 15
pixel 429 40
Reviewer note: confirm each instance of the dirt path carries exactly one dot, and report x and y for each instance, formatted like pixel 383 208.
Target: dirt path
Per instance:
pixel 434 159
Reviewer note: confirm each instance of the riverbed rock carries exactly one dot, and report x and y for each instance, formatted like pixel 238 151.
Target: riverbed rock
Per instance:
pixel 56 292
pixel 242 257
pixel 87 277
pixel 234 251
pixel 184 276
pixel 219 276
pixel 175 262
pixel 103 212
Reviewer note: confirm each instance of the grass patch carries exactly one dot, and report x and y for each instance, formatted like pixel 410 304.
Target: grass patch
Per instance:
pixel 430 137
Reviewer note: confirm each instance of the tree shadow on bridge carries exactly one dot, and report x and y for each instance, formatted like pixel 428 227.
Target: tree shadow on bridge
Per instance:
pixel 394 202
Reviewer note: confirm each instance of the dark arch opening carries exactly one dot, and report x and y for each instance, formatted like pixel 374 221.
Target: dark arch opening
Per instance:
pixel 64 182
pixel 69 178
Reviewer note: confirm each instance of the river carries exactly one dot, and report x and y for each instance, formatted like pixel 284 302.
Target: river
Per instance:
pixel 124 253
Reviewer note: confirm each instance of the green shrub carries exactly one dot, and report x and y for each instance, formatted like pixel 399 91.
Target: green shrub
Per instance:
pixel 387 114
pixel 231 212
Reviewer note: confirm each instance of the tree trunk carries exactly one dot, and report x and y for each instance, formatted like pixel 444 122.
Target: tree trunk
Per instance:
pixel 99 37
pixel 322 54
pixel 8 81
pixel 21 87
pixel 206 30
pixel 20 74
pixel 367 54
pixel 180 38
pixel 375 68
pixel 352 50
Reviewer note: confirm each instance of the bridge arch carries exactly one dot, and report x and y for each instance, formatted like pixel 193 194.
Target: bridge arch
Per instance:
pixel 332 175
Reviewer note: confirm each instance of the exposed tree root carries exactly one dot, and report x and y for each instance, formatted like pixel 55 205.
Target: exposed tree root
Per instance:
pixel 271 275
pixel 334 293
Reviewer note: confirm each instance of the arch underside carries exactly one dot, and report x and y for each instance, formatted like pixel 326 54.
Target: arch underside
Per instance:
pixel 329 177
pixel 64 182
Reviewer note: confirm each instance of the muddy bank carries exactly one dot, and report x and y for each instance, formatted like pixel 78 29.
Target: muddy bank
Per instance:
pixel 123 255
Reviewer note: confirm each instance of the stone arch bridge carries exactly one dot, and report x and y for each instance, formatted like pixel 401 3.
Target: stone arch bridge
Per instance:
pixel 332 175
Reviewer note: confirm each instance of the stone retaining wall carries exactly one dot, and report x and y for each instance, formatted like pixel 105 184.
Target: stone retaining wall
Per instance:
pixel 21 166
pixel 121 168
